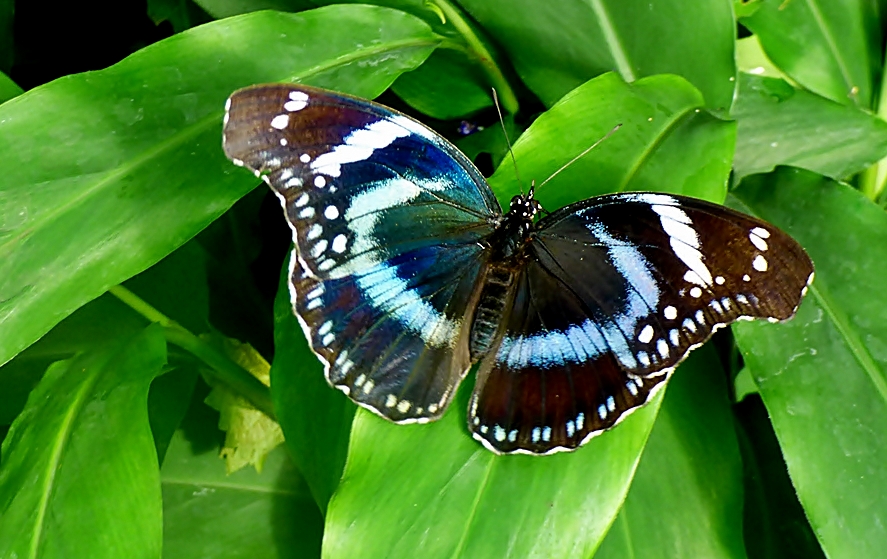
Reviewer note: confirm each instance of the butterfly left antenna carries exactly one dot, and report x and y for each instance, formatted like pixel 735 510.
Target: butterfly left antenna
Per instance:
pixel 580 156
pixel 507 140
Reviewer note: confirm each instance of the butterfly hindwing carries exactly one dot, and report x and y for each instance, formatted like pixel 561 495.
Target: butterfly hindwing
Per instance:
pixel 386 217
pixel 615 292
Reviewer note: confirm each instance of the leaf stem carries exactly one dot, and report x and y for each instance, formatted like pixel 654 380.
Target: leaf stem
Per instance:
pixel 479 51
pixel 221 368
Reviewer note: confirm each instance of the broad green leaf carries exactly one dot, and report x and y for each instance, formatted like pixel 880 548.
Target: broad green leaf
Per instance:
pixel 822 375
pixel 436 492
pixel 176 286
pixel 686 497
pixel 108 172
pixel 226 8
pixel 751 59
pixel 459 78
pixel 831 47
pixel 207 513
pixel 315 418
pixel 79 476
pixel 556 46
pixel 93 325
pixel 445 87
pixel 8 90
pixel 775 525
pixel 781 125
pixel 168 400
pixel 666 143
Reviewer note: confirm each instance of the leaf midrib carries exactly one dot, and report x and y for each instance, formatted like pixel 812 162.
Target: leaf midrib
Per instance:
pixel 674 121
pixel 854 343
pixel 56 456
pixel 231 486
pixel 620 57
pixel 188 132
pixel 832 45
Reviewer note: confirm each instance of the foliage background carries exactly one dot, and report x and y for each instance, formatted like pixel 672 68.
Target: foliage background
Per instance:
pixel 139 272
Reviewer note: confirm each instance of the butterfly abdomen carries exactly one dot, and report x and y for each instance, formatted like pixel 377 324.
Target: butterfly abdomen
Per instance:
pixel 488 314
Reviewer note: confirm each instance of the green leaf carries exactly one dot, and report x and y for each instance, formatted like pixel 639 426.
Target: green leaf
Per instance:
pixel 176 286
pixel 207 513
pixel 751 59
pixel 460 77
pixel 781 125
pixel 226 8
pixel 434 480
pixel 445 87
pixel 83 445
pixel 168 400
pixel 315 418
pixel 666 143
pixel 831 47
pixel 775 525
pixel 556 46
pixel 93 325
pixel 686 497
pixel 8 90
pixel 822 375
pixel 108 172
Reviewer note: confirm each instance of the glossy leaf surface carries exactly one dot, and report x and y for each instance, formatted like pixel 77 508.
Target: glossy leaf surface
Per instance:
pixel 106 173
pixel 686 497
pixel 781 125
pixel 831 47
pixel 207 513
pixel 823 376
pixel 556 46
pixel 83 444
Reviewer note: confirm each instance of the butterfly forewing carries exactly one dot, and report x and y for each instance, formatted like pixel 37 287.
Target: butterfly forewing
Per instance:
pixel 386 218
pixel 614 293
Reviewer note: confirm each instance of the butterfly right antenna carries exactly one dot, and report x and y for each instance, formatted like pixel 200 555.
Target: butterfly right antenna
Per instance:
pixel 581 155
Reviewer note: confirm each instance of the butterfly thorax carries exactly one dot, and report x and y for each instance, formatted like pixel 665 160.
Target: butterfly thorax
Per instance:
pixel 508 250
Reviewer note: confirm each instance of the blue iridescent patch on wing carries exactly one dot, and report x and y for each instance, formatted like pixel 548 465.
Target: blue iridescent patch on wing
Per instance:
pixel 387 218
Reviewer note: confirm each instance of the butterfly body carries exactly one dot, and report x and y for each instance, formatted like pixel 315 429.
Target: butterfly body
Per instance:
pixel 406 272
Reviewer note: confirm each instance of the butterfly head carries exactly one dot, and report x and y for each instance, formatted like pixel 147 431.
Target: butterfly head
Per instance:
pixel 524 207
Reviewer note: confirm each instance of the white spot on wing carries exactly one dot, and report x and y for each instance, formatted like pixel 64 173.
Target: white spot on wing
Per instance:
pixel 646 334
pixel 340 243
pixel 759 243
pixel 280 121
pixel 670 312
pixel 759 263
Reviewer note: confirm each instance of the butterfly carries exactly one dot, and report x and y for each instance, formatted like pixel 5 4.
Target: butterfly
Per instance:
pixel 405 272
